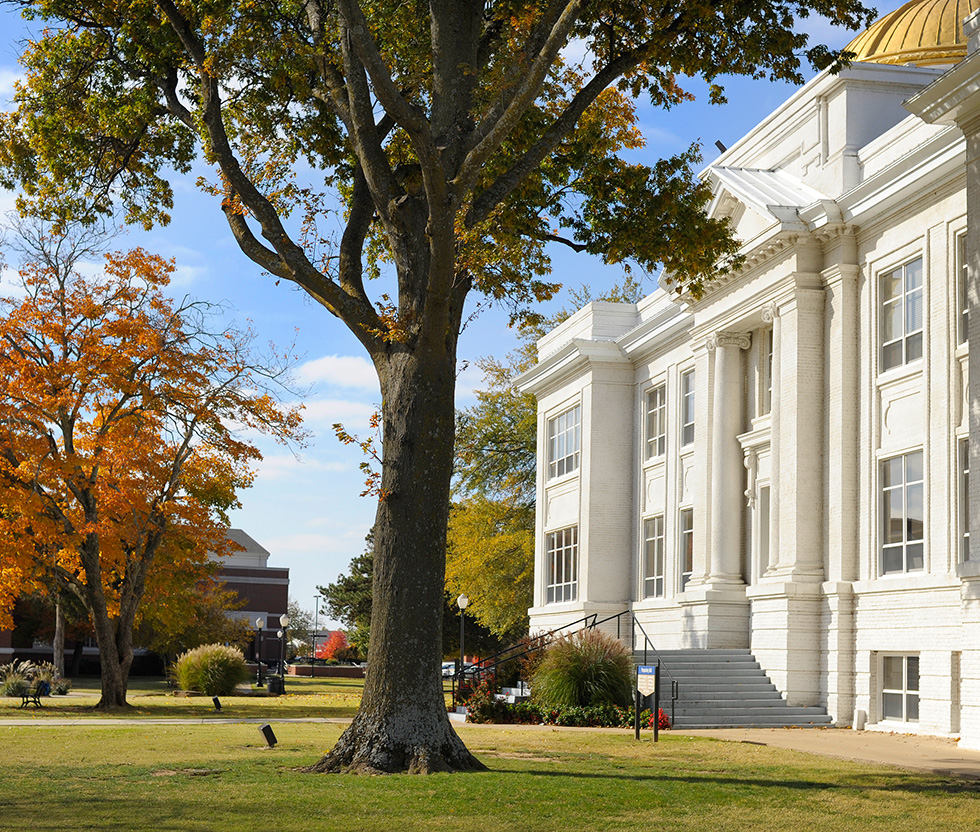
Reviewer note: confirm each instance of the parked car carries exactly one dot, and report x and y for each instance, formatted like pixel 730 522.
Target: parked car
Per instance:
pixel 448 669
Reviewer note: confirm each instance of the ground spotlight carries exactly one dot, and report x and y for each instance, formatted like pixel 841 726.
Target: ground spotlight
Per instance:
pixel 217 703
pixel 269 735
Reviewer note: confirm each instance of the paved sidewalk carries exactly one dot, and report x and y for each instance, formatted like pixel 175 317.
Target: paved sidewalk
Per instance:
pixel 938 755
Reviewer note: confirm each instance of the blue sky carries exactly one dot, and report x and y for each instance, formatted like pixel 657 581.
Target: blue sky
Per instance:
pixel 304 507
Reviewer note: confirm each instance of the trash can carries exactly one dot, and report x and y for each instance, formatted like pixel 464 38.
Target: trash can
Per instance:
pixel 275 686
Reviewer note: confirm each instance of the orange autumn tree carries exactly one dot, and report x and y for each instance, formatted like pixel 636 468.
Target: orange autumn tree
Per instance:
pixel 121 452
pixel 334 644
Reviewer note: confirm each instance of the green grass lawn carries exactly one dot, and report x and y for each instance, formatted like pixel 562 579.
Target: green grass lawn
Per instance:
pixel 152 697
pixel 221 777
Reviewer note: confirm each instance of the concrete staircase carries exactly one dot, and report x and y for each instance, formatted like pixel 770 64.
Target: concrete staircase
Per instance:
pixel 726 689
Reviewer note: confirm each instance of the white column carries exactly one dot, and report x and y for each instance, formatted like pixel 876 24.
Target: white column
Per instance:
pixel 727 468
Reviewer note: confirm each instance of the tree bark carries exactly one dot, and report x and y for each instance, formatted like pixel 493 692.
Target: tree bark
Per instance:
pixel 402 724
pixel 59 641
pixel 115 660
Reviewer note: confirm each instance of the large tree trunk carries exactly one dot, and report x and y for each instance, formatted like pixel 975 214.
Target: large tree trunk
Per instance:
pixel 402 724
pixel 115 659
pixel 58 645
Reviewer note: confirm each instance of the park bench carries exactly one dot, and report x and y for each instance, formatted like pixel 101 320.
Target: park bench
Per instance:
pixel 33 694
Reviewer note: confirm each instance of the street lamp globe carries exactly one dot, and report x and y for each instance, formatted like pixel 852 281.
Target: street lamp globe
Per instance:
pixel 463 602
pixel 260 623
pixel 284 620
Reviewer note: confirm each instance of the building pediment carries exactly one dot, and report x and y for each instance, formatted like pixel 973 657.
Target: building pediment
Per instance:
pixel 772 196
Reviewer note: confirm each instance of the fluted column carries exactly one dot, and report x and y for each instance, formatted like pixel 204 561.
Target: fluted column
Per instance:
pixel 726 458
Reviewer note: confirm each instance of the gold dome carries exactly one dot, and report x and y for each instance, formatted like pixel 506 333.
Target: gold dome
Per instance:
pixel 922 32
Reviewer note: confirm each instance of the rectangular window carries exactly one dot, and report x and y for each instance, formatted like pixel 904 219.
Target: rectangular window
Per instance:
pixel 657 422
pixel 687 407
pixel 687 545
pixel 902 514
pixel 562 558
pixel 900 688
pixel 963 451
pixel 653 557
pixel 964 322
pixel 564 442
pixel 901 315
pixel 766 373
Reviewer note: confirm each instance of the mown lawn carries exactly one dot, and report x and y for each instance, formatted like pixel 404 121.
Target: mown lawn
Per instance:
pixel 222 777
pixel 152 697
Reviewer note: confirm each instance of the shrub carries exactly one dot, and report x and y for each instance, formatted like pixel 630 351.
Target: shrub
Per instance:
pixel 15 678
pixel 212 669
pixel 60 687
pixel 585 668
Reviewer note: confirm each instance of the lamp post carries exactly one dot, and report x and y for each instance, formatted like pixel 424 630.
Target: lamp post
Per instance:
pixel 258 651
pixel 463 602
pixel 283 634
pixel 316 628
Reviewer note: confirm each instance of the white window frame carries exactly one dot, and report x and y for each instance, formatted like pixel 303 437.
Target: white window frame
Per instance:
pixel 561 563
pixel 906 344
pixel 962 302
pixel 654 552
pixel 963 497
pixel 687 407
pixel 767 348
pixel 685 549
pixel 904 695
pixel 656 421
pixel 564 442
pixel 907 489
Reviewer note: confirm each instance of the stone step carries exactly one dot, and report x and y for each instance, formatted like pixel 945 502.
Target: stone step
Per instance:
pixel 721 688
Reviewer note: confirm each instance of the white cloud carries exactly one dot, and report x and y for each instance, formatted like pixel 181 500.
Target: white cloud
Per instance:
pixel 7 78
pixel 184 275
pixel 340 370
pixel 351 414
pixel 282 466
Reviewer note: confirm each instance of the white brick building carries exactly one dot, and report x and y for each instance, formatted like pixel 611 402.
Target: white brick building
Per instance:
pixel 782 464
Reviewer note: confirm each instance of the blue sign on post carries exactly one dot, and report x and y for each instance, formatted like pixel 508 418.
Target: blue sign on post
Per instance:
pixel 646 685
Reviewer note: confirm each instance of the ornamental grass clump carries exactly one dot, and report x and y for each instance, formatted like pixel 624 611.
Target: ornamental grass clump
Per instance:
pixel 211 669
pixel 585 668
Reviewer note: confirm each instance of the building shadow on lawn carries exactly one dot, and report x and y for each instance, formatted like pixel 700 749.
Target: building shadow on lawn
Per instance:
pixel 903 781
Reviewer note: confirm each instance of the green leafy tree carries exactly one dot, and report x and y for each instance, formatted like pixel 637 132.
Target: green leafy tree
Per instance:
pixel 349 598
pixel 301 624
pixel 460 140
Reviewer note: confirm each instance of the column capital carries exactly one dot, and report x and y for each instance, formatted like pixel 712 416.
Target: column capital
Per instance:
pixel 729 339
pixel 770 312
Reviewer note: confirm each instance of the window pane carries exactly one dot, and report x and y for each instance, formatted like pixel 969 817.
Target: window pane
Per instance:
pixel 891 286
pixel 892 672
pixel 891 355
pixel 891 472
pixel 892 526
pixel 892 559
pixel 912 708
pixel 915 557
pixel 891 322
pixel 913 275
pixel 914 520
pixel 891 706
pixel 913 347
pixel 913 311
pixel 912 677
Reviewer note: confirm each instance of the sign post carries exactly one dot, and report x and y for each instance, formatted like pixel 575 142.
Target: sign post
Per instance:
pixel 647 684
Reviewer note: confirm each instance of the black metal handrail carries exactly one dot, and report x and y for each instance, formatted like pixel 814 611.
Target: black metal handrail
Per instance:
pixel 489 665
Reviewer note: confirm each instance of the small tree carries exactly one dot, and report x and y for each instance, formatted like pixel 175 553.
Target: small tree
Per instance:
pixel 337 643
pixel 118 460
